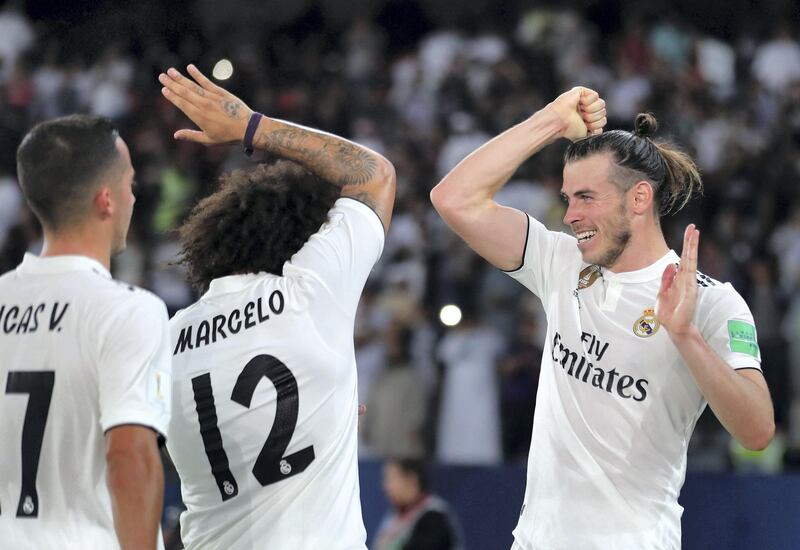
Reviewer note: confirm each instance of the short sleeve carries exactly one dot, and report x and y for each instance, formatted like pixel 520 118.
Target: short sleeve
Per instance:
pixel 545 250
pixel 728 327
pixel 134 369
pixel 342 253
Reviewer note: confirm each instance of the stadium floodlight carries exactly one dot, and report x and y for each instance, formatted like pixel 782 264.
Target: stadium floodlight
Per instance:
pixel 223 70
pixel 450 315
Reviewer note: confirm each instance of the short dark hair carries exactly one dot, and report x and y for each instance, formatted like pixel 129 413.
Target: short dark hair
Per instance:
pixel 256 221
pixel 671 172
pixel 416 467
pixel 60 162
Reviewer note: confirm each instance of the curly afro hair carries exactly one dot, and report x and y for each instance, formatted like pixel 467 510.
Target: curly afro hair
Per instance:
pixel 255 222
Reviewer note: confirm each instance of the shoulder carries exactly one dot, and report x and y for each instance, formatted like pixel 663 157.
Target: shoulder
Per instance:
pixel 119 300
pixel 718 299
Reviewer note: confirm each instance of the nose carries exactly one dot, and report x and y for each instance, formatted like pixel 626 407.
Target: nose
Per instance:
pixel 573 213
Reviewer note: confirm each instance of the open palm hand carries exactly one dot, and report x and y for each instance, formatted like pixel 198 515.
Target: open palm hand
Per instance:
pixel 677 297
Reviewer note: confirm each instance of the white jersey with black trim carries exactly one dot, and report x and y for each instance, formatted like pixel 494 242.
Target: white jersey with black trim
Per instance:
pixel 616 403
pixel 264 428
pixel 80 354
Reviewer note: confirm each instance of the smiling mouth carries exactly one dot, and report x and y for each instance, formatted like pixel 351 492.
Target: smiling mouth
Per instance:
pixel 585 236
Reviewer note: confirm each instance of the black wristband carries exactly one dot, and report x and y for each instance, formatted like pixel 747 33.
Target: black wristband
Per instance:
pixel 252 126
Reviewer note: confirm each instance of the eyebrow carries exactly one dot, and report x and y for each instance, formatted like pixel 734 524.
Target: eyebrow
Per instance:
pixel 579 193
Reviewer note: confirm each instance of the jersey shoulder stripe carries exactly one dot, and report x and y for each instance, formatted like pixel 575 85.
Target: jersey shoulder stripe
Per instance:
pixel 706 281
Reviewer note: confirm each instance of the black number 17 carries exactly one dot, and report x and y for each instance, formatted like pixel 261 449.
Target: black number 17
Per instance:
pixel 271 466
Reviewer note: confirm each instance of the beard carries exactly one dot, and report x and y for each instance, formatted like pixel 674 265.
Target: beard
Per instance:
pixel 618 234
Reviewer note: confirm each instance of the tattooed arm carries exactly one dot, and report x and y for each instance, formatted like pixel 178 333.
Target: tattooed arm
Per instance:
pixel 361 173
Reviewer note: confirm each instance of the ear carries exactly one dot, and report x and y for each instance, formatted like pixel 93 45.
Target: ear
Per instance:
pixel 104 203
pixel 642 197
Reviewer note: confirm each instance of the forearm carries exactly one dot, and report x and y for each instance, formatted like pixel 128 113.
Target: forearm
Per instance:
pixel 742 406
pixel 332 158
pixel 136 484
pixel 477 178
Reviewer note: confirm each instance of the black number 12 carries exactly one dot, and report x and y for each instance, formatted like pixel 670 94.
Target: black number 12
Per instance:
pixel 39 386
pixel 271 466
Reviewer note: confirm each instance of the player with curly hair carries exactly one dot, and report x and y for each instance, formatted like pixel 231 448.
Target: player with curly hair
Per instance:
pixel 265 405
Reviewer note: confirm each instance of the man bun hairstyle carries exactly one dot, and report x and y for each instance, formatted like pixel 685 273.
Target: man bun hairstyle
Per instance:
pixel 255 222
pixel 60 163
pixel 645 125
pixel 672 173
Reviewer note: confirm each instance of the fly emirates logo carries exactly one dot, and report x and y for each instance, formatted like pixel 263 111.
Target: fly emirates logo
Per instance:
pixel 581 368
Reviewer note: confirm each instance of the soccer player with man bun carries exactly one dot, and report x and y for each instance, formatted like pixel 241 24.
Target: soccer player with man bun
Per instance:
pixel 265 415
pixel 638 341
pixel 84 359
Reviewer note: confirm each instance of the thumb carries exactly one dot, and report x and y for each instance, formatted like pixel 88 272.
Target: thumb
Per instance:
pixel 666 282
pixel 587 96
pixel 192 135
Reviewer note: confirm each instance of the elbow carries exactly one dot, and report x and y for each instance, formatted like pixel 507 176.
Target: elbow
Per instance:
pixel 386 173
pixel 124 465
pixel 760 438
pixel 445 201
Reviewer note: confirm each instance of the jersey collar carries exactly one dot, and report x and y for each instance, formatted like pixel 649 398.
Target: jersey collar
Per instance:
pixel 649 273
pixel 32 264
pixel 230 283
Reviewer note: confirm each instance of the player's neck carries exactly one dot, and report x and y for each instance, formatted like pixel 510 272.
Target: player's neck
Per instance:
pixel 643 249
pixel 78 242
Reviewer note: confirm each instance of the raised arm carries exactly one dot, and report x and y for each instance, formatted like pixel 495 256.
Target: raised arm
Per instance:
pixel 361 173
pixel 465 197
pixel 739 398
pixel 135 480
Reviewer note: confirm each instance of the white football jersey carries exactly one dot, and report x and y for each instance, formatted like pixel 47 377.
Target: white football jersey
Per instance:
pixel 263 432
pixel 80 354
pixel 616 403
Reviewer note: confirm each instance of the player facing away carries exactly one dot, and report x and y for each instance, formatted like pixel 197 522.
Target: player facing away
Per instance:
pixel 638 341
pixel 84 359
pixel 265 416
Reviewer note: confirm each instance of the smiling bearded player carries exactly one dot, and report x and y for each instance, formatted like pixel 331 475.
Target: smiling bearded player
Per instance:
pixel 638 341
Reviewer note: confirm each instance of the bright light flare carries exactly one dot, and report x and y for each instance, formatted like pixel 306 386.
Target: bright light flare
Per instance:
pixel 450 315
pixel 223 70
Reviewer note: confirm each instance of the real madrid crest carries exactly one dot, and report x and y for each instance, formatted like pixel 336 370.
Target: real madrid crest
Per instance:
pixel 646 325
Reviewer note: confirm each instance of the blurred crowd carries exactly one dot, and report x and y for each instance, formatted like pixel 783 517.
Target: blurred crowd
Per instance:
pixel 461 394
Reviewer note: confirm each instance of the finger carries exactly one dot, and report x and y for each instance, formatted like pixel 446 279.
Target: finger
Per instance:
pixel 594 117
pixel 593 107
pixel 596 132
pixel 688 259
pixel 175 76
pixel 361 410
pixel 189 109
pixel 588 96
pixel 667 278
pixel 193 135
pixel 183 91
pixel 203 81
pixel 192 90
pixel 599 125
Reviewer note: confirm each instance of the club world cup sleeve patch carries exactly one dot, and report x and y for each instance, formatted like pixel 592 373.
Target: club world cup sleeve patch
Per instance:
pixel 742 337
pixel 159 390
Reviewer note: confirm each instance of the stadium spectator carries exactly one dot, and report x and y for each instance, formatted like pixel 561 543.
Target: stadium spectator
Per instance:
pixel 418 519
pixel 398 402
